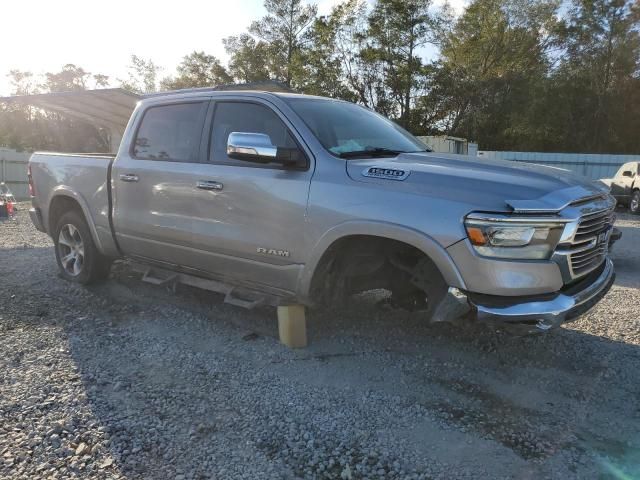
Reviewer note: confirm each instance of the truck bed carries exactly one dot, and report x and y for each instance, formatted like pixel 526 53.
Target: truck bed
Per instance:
pixel 81 176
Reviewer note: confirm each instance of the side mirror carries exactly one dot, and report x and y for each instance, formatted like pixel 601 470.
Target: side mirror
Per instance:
pixel 258 148
pixel 251 147
pixel 627 173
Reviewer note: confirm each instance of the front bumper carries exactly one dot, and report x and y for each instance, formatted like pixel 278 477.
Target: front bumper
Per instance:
pixel 543 312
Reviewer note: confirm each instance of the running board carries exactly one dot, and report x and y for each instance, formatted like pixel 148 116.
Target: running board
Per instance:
pixel 157 280
pixel 238 296
pixel 241 302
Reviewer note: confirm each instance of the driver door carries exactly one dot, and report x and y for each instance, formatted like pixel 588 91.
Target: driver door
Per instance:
pixel 256 212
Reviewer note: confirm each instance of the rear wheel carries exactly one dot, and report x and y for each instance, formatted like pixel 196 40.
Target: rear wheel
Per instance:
pixel 634 204
pixel 78 258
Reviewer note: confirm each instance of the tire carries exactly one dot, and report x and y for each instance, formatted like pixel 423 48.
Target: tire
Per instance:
pixel 634 203
pixel 78 258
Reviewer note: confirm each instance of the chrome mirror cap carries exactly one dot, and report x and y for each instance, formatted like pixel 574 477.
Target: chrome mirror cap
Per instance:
pixel 251 147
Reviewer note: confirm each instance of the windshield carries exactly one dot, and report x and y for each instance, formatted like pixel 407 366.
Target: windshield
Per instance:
pixel 345 129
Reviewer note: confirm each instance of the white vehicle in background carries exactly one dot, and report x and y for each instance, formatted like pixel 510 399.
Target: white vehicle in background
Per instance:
pixel 625 186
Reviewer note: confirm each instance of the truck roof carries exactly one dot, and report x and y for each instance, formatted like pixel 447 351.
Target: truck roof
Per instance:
pixel 214 92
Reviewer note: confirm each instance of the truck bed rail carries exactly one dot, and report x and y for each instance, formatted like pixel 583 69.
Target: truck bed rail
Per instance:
pixel 90 155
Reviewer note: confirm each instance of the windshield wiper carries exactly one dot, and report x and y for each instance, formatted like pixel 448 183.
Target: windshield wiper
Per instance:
pixel 371 152
pixel 375 152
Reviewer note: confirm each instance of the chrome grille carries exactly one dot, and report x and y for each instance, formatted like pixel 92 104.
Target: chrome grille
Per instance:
pixel 584 262
pixel 591 225
pixel 590 242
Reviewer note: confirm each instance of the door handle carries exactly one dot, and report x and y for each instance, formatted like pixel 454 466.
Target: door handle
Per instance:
pixel 129 177
pixel 209 185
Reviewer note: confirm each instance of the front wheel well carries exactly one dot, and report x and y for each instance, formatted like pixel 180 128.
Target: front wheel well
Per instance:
pixel 360 263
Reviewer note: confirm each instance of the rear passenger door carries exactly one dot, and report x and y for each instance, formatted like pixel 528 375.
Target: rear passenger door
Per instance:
pixel 154 181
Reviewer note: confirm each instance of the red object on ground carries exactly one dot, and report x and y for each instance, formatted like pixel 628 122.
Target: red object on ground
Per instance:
pixel 10 211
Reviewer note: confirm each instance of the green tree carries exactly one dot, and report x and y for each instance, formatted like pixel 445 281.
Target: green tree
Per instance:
pixel 15 119
pixel 22 82
pixel 197 69
pixel 493 66
pixel 398 30
pixel 100 80
pixel 596 87
pixel 70 78
pixel 142 76
pixel 247 58
pixel 330 64
pixel 282 30
pixel 349 22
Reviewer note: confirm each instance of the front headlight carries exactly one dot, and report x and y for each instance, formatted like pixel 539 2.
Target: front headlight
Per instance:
pixel 513 237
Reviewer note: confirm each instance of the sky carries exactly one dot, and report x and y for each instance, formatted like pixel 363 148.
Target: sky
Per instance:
pixel 100 36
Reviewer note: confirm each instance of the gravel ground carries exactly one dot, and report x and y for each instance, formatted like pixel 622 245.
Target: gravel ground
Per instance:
pixel 125 380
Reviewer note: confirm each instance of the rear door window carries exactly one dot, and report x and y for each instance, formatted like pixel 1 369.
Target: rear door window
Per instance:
pixel 171 132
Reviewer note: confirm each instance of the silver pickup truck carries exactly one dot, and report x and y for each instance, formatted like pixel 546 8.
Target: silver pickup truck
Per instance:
pixel 284 199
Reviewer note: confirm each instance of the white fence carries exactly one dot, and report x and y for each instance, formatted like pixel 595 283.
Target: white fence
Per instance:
pixel 13 171
pixel 594 166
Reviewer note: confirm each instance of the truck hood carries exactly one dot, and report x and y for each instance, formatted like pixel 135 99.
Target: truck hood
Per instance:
pixel 495 185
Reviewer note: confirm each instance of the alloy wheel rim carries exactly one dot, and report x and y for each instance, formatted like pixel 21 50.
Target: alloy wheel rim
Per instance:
pixel 635 202
pixel 71 250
